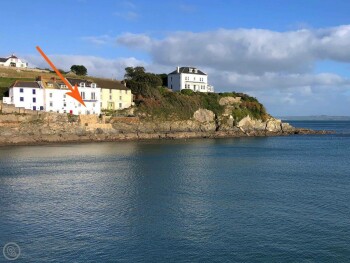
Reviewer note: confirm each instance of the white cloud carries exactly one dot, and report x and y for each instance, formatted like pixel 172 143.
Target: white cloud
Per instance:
pixel 98 40
pixel 137 41
pixel 277 67
pixel 247 50
pixel 96 66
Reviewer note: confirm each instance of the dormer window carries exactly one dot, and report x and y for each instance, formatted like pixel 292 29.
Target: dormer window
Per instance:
pixel 49 85
pixel 63 86
pixel 93 85
pixel 82 84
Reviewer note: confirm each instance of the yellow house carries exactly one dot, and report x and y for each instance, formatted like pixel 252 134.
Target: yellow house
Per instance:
pixel 114 95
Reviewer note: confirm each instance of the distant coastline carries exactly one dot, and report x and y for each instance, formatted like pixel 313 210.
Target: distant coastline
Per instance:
pixel 315 118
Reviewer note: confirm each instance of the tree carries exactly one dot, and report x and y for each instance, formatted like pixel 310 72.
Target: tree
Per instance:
pixel 142 82
pixel 79 70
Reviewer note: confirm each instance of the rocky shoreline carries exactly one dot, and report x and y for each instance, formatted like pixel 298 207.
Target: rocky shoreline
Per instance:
pixel 43 128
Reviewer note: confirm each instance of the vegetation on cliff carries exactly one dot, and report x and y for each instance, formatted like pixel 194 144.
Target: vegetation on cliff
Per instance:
pixel 155 101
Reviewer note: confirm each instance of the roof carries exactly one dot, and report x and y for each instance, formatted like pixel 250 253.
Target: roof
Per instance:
pixel 110 84
pixel 73 81
pixel 187 70
pixel 25 84
pixel 3 59
pixel 12 56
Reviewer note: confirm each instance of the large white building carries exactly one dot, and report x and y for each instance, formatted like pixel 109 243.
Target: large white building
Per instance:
pixel 13 61
pixel 56 99
pixel 50 95
pixel 189 78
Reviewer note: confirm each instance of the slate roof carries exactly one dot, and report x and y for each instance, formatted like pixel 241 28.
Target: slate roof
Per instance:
pixel 3 59
pixel 187 70
pixel 110 84
pixel 25 84
pixel 73 81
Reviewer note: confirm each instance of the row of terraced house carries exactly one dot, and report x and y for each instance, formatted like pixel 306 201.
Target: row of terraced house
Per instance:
pixel 49 94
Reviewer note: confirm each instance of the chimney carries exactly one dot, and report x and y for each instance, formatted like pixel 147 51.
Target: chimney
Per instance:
pixel 178 69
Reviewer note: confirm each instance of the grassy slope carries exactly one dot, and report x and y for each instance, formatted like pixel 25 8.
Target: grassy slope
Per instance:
pixel 166 105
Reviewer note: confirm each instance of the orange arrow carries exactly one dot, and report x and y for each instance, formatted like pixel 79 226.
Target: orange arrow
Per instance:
pixel 74 92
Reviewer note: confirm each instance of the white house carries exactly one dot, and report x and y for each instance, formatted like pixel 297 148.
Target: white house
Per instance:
pixel 189 78
pixel 56 99
pixel 13 61
pixel 50 95
pixel 26 94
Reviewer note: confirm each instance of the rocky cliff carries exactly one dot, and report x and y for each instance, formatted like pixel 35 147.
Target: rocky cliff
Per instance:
pixel 40 127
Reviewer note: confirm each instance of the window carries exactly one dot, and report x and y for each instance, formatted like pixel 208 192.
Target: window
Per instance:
pixel 101 104
pixel 82 94
pixel 93 85
pixel 41 107
pixel 49 85
pixel 21 90
pixel 120 97
pixel 34 107
pixel 120 105
pixel 82 84
pixel 34 91
pixel 64 96
pixel 51 104
pixel 110 91
pixel 21 99
pixel 93 95
pixel 50 95
pixel 63 86
pixel 34 100
pixel 64 104
pixel 110 97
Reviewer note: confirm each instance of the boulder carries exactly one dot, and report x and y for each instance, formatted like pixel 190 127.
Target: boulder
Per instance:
pixel 273 125
pixel 229 101
pixel 249 124
pixel 203 115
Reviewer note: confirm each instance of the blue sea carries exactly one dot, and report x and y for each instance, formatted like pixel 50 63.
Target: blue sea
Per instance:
pixel 273 199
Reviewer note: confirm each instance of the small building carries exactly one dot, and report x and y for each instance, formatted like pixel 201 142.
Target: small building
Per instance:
pixel 13 61
pixel 189 78
pixel 114 95
pixel 26 94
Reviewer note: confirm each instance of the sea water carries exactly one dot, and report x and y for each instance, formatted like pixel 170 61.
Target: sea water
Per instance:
pixel 273 199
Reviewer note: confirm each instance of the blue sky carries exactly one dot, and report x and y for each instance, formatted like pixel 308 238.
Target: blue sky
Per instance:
pixel 291 55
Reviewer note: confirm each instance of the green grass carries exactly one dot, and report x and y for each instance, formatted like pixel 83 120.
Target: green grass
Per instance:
pixel 165 105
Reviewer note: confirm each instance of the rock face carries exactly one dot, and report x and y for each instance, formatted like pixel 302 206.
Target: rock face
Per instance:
pixel 229 101
pixel 43 127
pixel 203 115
